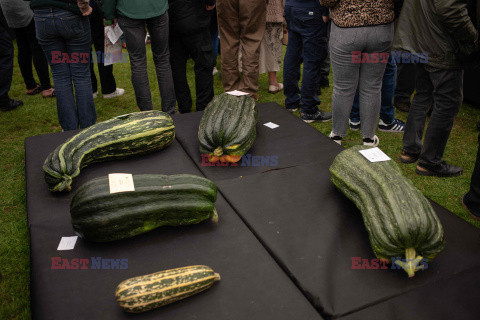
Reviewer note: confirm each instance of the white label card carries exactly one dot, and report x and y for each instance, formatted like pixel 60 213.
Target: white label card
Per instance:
pixel 67 243
pixel 374 155
pixel 237 93
pixel 271 125
pixel 121 182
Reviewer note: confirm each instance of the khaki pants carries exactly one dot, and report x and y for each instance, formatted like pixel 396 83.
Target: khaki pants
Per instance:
pixel 241 25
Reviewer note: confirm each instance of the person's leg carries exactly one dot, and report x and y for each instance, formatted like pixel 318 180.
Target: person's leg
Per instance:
pixel 107 80
pixel 405 86
pixel 291 64
pixel 25 56
pixel 39 59
pixel 387 111
pixel 158 29
pixel 412 138
pixel 135 33
pixel 472 198
pixel 229 30
pixel 252 15
pixel 93 60
pixel 202 54
pixel 379 40
pixel 78 40
pixel 343 41
pixel 178 61
pixel 6 67
pixel 325 65
pixel 448 97
pixel 355 113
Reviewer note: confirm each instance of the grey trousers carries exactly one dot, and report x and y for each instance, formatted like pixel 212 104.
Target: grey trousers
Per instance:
pixel 359 56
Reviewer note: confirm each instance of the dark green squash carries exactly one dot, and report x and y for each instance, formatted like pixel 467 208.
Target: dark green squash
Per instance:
pixel 399 219
pixel 128 135
pixel 158 200
pixel 228 127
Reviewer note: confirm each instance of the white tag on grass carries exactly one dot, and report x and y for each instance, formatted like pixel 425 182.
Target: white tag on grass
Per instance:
pixel 271 125
pixel 67 243
pixel 121 182
pixel 374 155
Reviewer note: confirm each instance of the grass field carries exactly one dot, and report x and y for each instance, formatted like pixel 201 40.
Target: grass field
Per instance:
pixel 38 116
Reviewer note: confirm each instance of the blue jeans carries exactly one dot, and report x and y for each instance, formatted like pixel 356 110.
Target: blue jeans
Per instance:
pixel 306 42
pixel 65 38
pixel 387 111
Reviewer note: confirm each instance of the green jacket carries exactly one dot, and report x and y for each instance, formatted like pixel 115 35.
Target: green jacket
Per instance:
pixel 134 9
pixel 441 29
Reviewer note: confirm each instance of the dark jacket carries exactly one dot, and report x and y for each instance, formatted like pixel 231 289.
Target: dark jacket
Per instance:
pixel 441 29
pixel 70 5
pixel 189 16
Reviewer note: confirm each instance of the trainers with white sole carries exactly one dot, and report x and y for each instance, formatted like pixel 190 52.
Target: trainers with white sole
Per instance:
pixel 371 142
pixel 397 126
pixel 118 92
pixel 354 126
pixel 335 138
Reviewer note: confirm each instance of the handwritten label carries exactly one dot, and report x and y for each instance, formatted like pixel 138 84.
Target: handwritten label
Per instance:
pixel 374 155
pixel 121 182
pixel 67 243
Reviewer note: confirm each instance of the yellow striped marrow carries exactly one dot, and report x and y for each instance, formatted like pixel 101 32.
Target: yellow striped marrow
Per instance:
pixel 123 136
pixel 158 289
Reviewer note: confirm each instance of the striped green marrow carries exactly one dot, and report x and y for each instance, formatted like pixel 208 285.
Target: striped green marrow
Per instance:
pixel 158 200
pixel 228 128
pixel 399 219
pixel 155 290
pixel 131 134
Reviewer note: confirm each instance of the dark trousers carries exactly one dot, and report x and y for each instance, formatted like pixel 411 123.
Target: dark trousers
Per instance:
pixel 445 88
pixel 6 65
pixel 28 50
pixel 405 82
pixel 472 198
pixel 307 43
pixel 199 47
pixel 325 65
pixel 107 80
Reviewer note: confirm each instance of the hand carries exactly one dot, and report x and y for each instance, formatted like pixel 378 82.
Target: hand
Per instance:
pixel 325 19
pixel 88 12
pixel 209 8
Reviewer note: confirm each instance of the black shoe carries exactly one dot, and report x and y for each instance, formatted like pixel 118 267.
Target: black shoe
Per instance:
pixel 402 106
pixel 325 83
pixel 409 157
pixel 12 104
pixel 473 215
pixel 440 170
pixel 317 116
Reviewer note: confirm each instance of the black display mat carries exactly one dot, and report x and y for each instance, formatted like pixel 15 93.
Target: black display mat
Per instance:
pixel 313 231
pixel 253 286
pixel 293 143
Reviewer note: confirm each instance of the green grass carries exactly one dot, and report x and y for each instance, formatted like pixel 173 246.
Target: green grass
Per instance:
pixel 38 116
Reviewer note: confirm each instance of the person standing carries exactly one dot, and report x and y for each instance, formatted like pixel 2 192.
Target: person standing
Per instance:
pixel 360 39
pixel 241 26
pixel 63 31
pixel 444 30
pixel 271 45
pixel 107 80
pixel 19 17
pixel 133 16
pixel 190 37
pixel 6 69
pixel 307 33
pixel 405 86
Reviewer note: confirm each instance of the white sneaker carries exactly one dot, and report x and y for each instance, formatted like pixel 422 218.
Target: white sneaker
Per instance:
pixel 118 92
pixel 335 138
pixel 215 71
pixel 95 95
pixel 371 142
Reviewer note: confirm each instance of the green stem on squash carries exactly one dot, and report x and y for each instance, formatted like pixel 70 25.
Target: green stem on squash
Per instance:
pixel 218 152
pixel 411 262
pixel 214 215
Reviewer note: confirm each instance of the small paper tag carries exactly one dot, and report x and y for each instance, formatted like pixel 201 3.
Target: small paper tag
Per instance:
pixel 271 125
pixel 374 155
pixel 121 182
pixel 67 243
pixel 237 93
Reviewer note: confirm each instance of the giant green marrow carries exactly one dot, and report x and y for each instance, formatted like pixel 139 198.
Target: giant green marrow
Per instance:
pixel 158 200
pixel 399 219
pixel 131 134
pixel 228 127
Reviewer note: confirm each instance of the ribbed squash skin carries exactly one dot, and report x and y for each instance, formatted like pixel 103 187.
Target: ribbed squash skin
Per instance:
pixel 155 290
pixel 158 200
pixel 131 134
pixel 228 127
pixel 396 214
